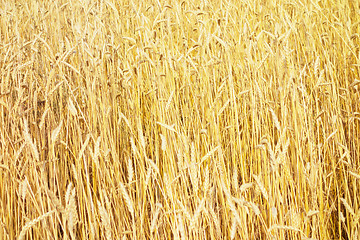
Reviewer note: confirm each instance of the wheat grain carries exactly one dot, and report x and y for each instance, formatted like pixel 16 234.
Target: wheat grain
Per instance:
pixel 180 159
pixel 57 203
pixel 256 208
pixel 92 229
pixel 147 177
pixel 155 217
pixel 83 147
pixel 168 189
pixel 216 222
pixel 68 193
pixel 72 108
pixel 168 127
pixel 30 142
pixel 141 136
pixel 196 215
pixel 74 171
pixel 42 121
pixel 246 186
pixel 312 213
pixel 97 152
pixel 71 213
pixel 283 227
pixel 207 180
pixel 181 227
pixel 354 174
pixel 193 170
pixel 130 170
pixel 56 132
pixel 163 142
pixel 316 66
pixel 235 180
pixel 261 186
pixel 167 106
pixel 127 198
pixel 233 229
pixel 107 201
pixel 153 166
pixel 185 211
pixel 23 188
pixel 347 206
pixel 274 213
pixel 209 154
pixel 105 220
pixel 133 147
pixel 271 151
pixel 230 201
pixel 32 223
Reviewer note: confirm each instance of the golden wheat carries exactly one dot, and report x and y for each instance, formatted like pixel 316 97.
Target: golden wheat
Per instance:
pixel 217 119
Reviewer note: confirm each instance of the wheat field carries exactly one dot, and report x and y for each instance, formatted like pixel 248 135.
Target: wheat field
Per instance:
pixel 170 119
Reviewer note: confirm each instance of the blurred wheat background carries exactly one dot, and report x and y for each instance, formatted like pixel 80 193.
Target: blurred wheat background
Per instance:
pixel 170 119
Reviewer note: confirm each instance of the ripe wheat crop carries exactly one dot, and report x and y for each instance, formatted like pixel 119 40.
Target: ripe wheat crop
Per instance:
pixel 179 119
